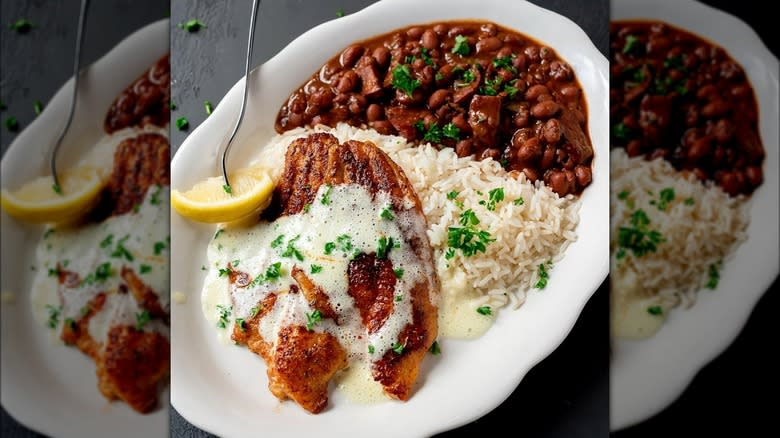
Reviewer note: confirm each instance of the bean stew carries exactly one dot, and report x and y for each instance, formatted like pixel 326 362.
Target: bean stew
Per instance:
pixel 677 96
pixel 484 90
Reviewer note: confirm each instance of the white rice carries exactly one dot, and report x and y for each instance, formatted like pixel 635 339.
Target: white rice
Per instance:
pixel 526 235
pixel 696 235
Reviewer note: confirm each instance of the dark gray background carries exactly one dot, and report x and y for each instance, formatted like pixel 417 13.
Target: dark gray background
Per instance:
pixel 564 396
pixel 34 66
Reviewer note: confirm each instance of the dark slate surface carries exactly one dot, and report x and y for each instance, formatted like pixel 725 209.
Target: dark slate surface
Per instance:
pixel 564 396
pixel 34 66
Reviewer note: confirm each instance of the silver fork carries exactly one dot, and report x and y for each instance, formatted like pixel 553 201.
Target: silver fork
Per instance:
pixel 76 70
pixel 253 20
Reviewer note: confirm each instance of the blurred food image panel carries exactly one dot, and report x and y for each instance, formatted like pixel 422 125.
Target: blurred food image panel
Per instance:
pixel 85 218
pixel 693 209
pixel 389 209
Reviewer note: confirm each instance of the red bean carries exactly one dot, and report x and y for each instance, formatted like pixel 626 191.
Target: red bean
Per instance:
pixel 529 151
pixel 490 44
pixel 463 148
pixel 634 148
pixel 322 98
pixel 504 52
pixel 548 157
pixel 546 53
pixel 440 29
pixel 350 55
pixel 729 183
pixel 382 126
pixel 530 174
pixel 490 153
pixel 532 54
pixel 459 30
pixel 522 117
pixel 723 131
pixel 489 29
pixel 699 149
pixel 716 108
pixel 754 175
pixel 438 98
pixel 382 56
pixel 545 110
pixel 552 131
pixel 357 102
pixel 570 91
pixel 375 112
pixel 535 91
pixel 557 182
pixel 348 82
pixel 461 123
pixel 583 174
pixel 430 40
pixel 414 33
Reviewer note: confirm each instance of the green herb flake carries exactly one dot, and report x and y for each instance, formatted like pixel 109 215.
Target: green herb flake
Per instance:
pixel 665 197
pixel 387 214
pixel 402 80
pixel 340 13
pixel 485 310
pixel 631 45
pixel 638 237
pixel 329 247
pixel 274 271
pixel 450 253
pixel 120 251
pixel 519 201
pixel 223 313
pixel 192 26
pixel 316 269
pixel 155 198
pixel 105 243
pixel 278 241
pixel 495 196
pixel 689 201
pixel 399 298
pixel 384 244
pixel 37 107
pixel 254 312
pixel 621 131
pixel 225 272
pixel 714 275
pixel 623 195
pixel 241 323
pixel 543 275
pixel 145 269
pixel 54 315
pixel 435 349
pixel 451 131
pixel 452 195
pixel 141 319
pixel 468 217
pixel 399 273
pixel 312 319
pixel 326 196
pixel 398 348
pixel 371 349
pixel 21 25
pixel 208 107
pixel 291 250
pixel 307 207
pixel 655 310
pixel 182 123
pixel 227 189
pixel 461 46
pixel 158 247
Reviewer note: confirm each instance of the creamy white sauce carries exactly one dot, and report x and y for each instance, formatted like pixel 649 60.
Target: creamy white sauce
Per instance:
pixel 138 240
pixel 458 316
pixel 630 316
pixel 179 297
pixel 359 386
pixel 352 211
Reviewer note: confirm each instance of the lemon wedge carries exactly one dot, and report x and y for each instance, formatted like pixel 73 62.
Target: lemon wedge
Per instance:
pixel 38 201
pixel 212 202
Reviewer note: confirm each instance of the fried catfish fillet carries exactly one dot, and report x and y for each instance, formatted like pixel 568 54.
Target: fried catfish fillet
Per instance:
pixel 131 364
pixel 300 362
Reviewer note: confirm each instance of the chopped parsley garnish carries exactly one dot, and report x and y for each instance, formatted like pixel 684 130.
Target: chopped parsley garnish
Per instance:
pixel 227 189
pixel 340 13
pixel 120 250
pixel 101 274
pixel 675 62
pixel 54 315
pixel 326 196
pixel 21 25
pixel 468 217
pixel 155 198
pixel 182 123
pixel 452 195
pixel 491 88
pixel 49 232
pixel 371 349
pixel 387 214
pixel 224 315
pixel 434 133
pixel 56 189
pixel 621 131
pixel 344 243
pixel 329 247
pixel 224 272
pixel 402 80
pixel 665 197
pixel 278 241
pixel 37 107
pixel 543 276
pixel 241 323
pixel 315 269
pixel 208 107
pixel 714 275
pixel 70 323
pixel 461 46
pixel 105 243
pixel 158 247
pixel 511 90
pixel 172 106
pixel 53 272
pixel 11 124
pixel 631 45
pixel 689 201
pixel 451 131
pixel 383 247
pixel 519 201
pixel 639 238
pixel 291 250
pixel 398 348
pixel 399 273
pixel 494 196
pixel 307 207
pixel 467 238
pixel 145 269
pixel 435 350
pixel 485 310
pixel 254 312
pixel 192 25
pixel 85 310
pixel 620 254
pixel 623 195
pixel 439 76
pixel 505 62
pixel 399 298
pixel 655 310
pixel 312 318
pixel 141 319
pixel 274 271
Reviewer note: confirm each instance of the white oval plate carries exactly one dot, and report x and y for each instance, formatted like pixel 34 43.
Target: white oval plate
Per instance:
pixel 648 375
pixel 49 387
pixel 223 389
